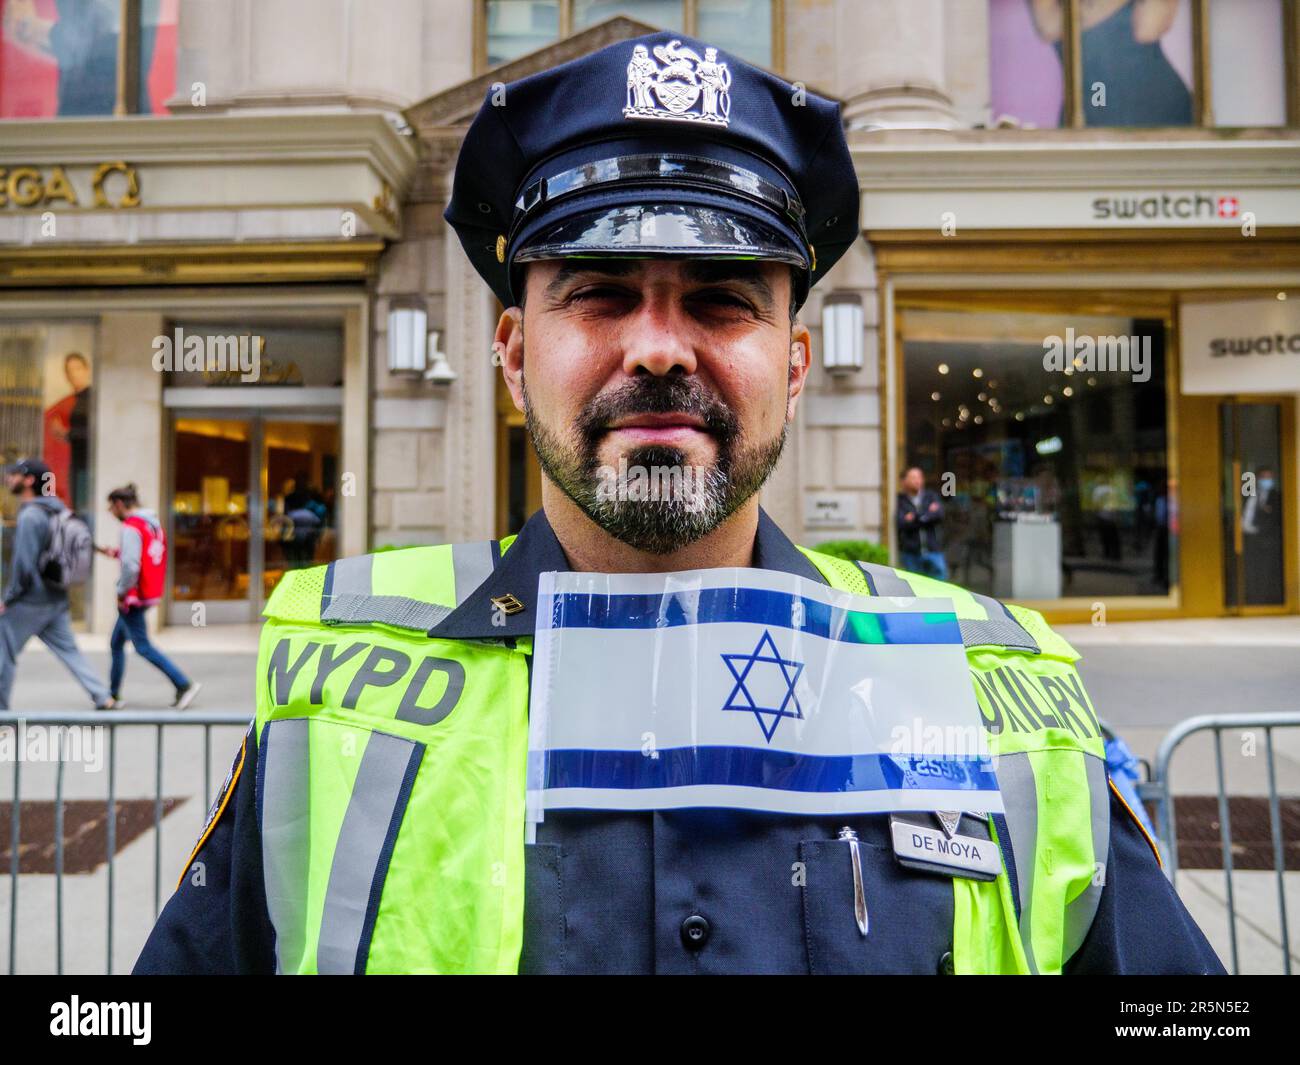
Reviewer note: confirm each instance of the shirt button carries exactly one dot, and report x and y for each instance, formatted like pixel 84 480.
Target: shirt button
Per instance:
pixel 946 966
pixel 695 932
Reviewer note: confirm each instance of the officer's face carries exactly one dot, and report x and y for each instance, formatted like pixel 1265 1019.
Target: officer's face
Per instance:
pixel 662 365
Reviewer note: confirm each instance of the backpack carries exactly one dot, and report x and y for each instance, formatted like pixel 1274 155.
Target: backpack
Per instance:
pixel 67 557
pixel 153 561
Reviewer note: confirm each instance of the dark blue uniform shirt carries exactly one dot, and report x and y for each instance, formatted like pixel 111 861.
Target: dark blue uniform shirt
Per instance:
pixel 689 891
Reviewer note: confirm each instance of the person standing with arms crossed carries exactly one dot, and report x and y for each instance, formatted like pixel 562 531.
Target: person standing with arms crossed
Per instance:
pixel 920 517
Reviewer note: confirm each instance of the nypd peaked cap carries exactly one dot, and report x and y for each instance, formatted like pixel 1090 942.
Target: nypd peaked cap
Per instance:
pixel 657 146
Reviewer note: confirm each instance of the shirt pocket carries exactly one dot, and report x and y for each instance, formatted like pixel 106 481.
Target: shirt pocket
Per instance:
pixel 543 946
pixel 909 914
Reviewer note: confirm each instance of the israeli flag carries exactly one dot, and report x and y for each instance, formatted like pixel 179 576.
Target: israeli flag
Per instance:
pixel 750 689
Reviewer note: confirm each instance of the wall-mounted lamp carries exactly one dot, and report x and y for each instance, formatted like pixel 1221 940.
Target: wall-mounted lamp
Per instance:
pixel 413 347
pixel 406 340
pixel 842 324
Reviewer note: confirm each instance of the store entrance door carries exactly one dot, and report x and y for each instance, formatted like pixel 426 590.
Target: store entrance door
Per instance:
pixel 1254 473
pixel 251 497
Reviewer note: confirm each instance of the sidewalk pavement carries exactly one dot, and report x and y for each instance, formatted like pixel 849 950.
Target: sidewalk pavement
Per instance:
pixel 1271 631
pixel 176 640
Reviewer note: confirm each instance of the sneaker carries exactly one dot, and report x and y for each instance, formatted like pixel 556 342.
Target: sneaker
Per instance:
pixel 109 704
pixel 185 696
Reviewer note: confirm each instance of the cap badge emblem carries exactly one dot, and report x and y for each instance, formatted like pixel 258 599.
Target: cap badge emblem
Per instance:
pixel 685 89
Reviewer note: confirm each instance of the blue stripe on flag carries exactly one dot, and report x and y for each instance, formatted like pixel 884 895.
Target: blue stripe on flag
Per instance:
pixel 758 606
pixel 756 768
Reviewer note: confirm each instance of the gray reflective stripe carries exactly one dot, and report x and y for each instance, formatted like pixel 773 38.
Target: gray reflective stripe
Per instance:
pixel 884 581
pixel 283 778
pixel 998 628
pixel 347 585
pixel 347 597
pixel 388 609
pixel 472 564
pixel 1080 913
pixel 1020 798
pixel 356 868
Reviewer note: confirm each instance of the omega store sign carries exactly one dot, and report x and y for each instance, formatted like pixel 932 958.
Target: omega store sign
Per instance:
pixel 1240 346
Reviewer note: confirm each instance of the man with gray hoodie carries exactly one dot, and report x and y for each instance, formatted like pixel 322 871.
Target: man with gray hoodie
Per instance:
pixel 33 606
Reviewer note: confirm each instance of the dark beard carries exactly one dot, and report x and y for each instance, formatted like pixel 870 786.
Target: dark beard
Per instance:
pixel 670 518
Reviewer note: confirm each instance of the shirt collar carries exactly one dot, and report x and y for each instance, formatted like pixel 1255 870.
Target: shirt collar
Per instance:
pixel 536 551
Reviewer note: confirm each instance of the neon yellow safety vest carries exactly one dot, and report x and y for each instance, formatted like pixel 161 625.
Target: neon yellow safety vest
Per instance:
pixel 391 773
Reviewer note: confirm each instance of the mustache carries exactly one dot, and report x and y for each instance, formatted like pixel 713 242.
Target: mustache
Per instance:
pixel 658 395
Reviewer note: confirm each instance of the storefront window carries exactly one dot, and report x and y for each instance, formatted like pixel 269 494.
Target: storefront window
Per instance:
pixel 666 14
pixel 1135 62
pixel 1247 62
pixel 60 57
pixel 1046 439
pixel 1024 68
pixel 47 411
pixel 157 55
pixel 199 354
pixel 254 480
pixel 740 26
pixel 516 27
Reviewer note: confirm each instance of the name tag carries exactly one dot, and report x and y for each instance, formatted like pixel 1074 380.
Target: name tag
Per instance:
pixel 917 845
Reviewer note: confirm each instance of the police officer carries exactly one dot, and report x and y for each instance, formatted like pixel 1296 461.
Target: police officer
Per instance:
pixel 651 216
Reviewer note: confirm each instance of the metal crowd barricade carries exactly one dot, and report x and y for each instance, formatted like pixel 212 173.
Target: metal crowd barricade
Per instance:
pixel 1158 790
pixel 112 720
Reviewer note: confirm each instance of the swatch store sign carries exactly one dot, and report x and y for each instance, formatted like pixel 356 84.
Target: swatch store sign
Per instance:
pixel 1167 207
pixel 1240 346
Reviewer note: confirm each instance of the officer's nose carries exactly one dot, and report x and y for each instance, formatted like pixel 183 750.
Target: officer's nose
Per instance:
pixel 657 339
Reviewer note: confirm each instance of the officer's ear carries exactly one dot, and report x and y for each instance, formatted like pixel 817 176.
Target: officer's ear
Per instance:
pixel 508 352
pixel 800 362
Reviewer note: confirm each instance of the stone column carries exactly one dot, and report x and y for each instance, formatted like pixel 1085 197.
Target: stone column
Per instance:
pixel 471 401
pixel 315 53
pixel 840 414
pixel 890 63
pixel 129 422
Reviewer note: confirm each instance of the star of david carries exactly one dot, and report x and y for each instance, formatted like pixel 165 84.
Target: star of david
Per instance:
pixel 741 666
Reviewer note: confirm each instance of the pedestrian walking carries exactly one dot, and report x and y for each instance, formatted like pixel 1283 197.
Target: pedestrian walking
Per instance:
pixel 36 597
pixel 142 553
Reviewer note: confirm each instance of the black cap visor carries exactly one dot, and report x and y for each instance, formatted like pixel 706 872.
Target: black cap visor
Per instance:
pixel 660 231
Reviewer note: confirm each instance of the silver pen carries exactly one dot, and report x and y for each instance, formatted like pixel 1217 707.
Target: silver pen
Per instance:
pixel 859 896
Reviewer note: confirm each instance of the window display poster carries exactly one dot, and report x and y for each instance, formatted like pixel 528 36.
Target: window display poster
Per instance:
pixel 67 406
pixel 59 57
pixel 1136 62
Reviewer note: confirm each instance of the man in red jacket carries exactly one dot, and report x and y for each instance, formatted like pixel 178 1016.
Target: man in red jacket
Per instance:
pixel 143 554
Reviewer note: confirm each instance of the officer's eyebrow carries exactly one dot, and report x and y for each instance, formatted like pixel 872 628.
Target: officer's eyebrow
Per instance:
pixel 747 272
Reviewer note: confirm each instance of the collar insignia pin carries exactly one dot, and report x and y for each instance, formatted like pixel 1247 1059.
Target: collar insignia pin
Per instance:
pixel 507 603
pixel 948 821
